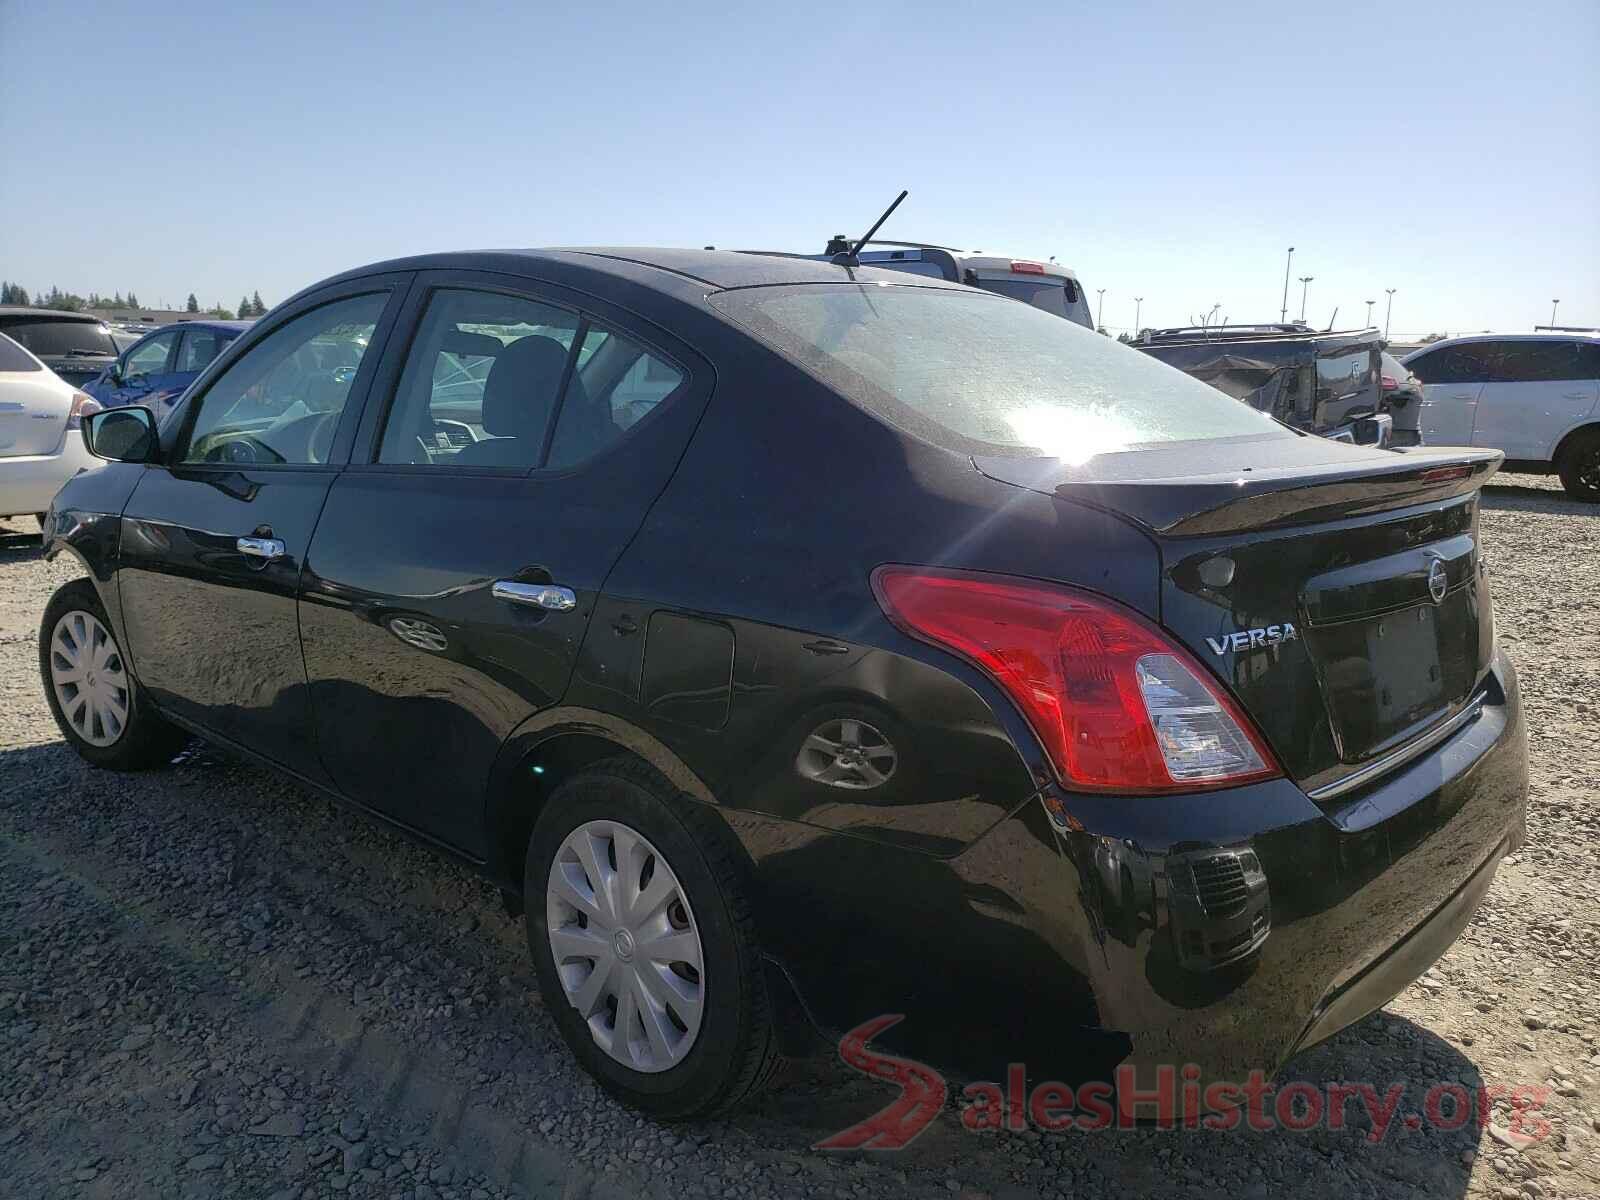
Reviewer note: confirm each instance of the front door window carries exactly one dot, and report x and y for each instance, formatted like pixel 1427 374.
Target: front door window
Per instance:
pixel 280 402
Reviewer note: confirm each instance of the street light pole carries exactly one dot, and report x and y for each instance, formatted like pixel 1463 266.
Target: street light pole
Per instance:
pixel 1283 313
pixel 1138 304
pixel 1370 303
pixel 1305 281
pixel 1387 312
pixel 1554 304
pixel 1100 312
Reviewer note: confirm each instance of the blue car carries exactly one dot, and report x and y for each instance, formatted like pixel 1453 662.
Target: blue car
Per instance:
pixel 156 369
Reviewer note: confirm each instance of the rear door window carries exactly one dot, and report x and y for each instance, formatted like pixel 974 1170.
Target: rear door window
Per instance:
pixel 1538 362
pixel 1589 360
pixel 481 382
pixel 618 383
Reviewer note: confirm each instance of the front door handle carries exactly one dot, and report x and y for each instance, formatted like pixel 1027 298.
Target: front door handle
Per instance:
pixel 548 596
pixel 265 549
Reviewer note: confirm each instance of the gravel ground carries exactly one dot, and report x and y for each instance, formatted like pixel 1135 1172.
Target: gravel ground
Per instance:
pixel 213 984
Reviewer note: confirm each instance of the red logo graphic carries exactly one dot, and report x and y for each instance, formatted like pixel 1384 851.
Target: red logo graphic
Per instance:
pixel 1177 1098
pixel 922 1093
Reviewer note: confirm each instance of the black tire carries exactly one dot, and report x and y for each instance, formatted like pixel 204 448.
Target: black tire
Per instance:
pixel 735 1053
pixel 146 739
pixel 1579 466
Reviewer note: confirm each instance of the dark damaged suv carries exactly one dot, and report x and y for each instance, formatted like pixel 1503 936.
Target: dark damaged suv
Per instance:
pixel 801 644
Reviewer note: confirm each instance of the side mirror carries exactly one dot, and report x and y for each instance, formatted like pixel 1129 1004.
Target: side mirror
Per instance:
pixel 122 434
pixel 114 373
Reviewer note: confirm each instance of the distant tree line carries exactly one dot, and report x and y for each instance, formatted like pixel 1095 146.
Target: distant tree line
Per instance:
pixel 15 293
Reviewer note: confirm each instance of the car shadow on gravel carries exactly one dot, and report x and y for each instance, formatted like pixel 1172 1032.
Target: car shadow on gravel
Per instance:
pixel 1419 1138
pixel 18 546
pixel 818 1097
pixel 1518 497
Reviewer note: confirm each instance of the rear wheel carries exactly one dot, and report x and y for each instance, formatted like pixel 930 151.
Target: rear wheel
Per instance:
pixel 1579 466
pixel 91 692
pixel 645 947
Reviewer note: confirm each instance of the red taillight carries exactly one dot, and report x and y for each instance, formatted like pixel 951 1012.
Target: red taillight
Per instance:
pixel 1389 383
pixel 1118 705
pixel 1027 268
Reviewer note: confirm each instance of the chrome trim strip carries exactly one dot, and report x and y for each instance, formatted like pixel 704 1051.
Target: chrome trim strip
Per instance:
pixel 1400 757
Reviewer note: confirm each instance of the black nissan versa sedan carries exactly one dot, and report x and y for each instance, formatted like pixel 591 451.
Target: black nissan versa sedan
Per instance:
pixel 800 644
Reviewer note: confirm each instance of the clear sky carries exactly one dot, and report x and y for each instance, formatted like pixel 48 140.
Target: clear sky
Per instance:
pixel 1171 151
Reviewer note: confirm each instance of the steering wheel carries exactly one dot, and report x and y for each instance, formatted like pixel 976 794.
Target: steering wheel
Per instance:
pixel 236 450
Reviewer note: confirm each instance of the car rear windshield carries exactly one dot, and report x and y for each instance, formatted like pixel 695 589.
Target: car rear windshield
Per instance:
pixel 983 375
pixel 1049 294
pixel 51 335
pixel 13 358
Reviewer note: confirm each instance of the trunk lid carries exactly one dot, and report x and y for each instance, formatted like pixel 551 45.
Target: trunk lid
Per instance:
pixel 1336 589
pixel 33 413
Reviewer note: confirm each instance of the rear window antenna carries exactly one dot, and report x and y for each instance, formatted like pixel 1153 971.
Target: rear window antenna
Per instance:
pixel 847 257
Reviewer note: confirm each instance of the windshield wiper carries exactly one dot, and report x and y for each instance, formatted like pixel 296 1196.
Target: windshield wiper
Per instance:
pixel 87 354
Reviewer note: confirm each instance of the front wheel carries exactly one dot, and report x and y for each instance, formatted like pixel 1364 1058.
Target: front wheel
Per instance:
pixel 91 692
pixel 1579 466
pixel 644 944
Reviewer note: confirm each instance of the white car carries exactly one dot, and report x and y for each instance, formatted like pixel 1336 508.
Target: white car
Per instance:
pixel 40 443
pixel 1535 396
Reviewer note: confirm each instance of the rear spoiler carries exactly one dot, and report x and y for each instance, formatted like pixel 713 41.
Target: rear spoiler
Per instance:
pixel 1325 484
pixel 1215 506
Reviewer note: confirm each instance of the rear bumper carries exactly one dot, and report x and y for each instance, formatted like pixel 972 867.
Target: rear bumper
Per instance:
pixel 1406 960
pixel 29 482
pixel 1226 930
pixel 1304 918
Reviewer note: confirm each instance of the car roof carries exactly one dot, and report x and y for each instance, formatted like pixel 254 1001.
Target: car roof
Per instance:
pixel 226 326
pixel 1467 338
pixel 1253 335
pixel 24 310
pixel 668 269
pixel 901 252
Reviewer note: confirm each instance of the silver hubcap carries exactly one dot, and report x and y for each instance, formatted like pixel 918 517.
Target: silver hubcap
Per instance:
pixel 89 679
pixel 847 754
pixel 625 945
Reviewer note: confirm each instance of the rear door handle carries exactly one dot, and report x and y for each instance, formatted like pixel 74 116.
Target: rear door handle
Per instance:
pixel 547 596
pixel 1575 395
pixel 266 549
